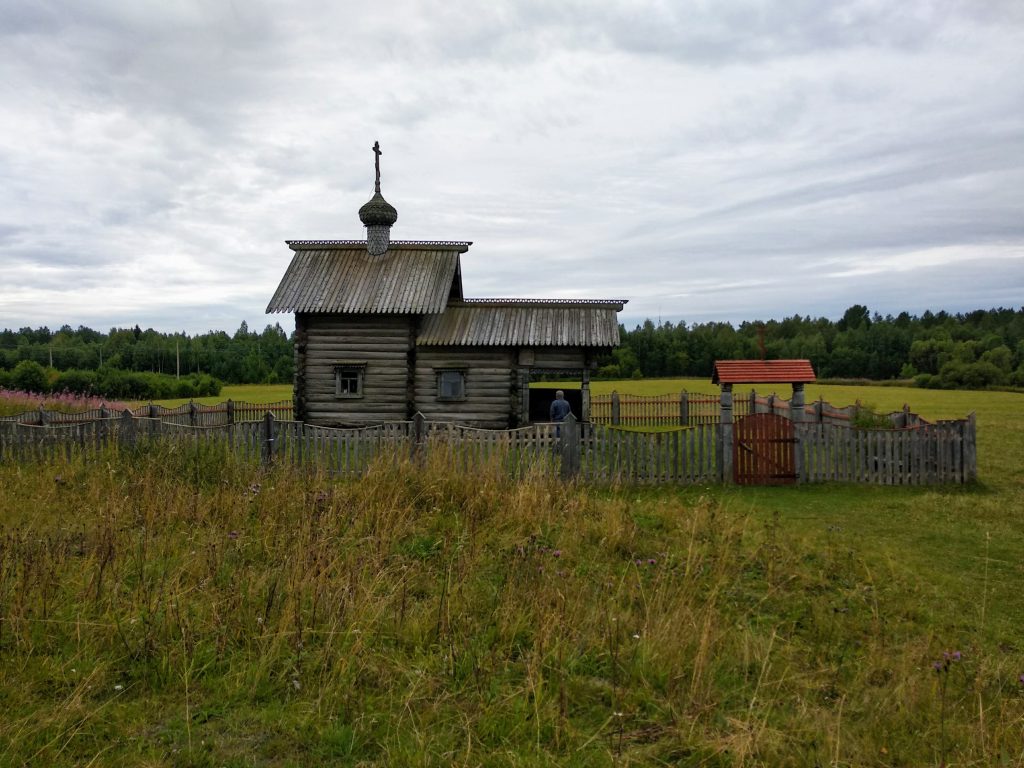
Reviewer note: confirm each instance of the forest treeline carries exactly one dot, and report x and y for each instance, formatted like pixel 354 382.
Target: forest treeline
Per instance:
pixel 968 350
pixel 131 363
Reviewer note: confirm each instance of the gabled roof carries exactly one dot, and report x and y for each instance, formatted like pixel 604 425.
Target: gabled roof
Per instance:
pixel 763 371
pixel 524 322
pixel 341 276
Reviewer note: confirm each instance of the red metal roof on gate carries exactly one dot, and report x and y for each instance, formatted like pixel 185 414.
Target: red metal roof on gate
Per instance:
pixel 763 371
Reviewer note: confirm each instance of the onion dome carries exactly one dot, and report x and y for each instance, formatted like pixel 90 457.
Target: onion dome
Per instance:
pixel 377 211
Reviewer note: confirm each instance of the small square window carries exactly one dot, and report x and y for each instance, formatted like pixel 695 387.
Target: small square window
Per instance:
pixel 451 385
pixel 348 380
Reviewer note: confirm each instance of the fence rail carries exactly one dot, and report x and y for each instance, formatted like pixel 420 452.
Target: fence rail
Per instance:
pixel 922 454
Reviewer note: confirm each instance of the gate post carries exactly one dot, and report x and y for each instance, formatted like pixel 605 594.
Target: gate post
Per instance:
pixel 616 408
pixel 684 409
pixel 267 452
pixel 126 433
pixel 569 447
pixel 725 435
pixel 796 415
pixel 419 438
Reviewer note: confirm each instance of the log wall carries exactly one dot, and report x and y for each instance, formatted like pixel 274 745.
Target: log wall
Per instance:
pixel 383 342
pixel 490 385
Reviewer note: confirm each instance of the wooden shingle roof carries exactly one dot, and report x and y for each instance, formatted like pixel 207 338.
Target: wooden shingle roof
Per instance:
pixel 763 371
pixel 341 276
pixel 524 322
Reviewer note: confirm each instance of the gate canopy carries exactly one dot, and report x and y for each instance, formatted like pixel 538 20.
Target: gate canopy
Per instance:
pixel 763 372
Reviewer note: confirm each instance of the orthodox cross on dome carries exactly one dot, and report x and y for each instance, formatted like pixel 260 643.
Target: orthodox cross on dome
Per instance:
pixel 376 164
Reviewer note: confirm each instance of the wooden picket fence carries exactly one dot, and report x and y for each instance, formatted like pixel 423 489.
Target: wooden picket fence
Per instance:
pixel 923 454
pixel 687 409
pixel 191 413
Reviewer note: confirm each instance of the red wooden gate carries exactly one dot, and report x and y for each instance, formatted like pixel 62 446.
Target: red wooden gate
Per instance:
pixel 763 450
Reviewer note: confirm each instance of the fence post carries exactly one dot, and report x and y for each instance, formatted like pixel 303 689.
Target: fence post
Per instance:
pixel 267 442
pixel 152 411
pixel 970 448
pixel 569 447
pixel 44 418
pixel 126 433
pixel 725 434
pixel 231 411
pixel 796 415
pixel 191 413
pixel 684 409
pixel 753 402
pixel 419 433
pixel 616 412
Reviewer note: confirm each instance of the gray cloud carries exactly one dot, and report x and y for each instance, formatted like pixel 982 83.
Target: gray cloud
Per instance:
pixel 154 158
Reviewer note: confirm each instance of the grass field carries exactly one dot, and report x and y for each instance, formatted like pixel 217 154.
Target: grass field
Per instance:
pixel 180 609
pixel 249 393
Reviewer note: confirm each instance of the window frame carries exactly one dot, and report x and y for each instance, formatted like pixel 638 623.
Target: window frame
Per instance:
pixel 348 370
pixel 440 372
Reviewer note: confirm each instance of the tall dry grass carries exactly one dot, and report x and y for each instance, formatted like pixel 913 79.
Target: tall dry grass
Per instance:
pixel 176 607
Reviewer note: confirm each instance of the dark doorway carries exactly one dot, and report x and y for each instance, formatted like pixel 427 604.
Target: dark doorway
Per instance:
pixel 541 399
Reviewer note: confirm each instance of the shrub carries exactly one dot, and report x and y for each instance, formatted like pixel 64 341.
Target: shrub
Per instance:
pixel 971 375
pixel 76 382
pixel 29 376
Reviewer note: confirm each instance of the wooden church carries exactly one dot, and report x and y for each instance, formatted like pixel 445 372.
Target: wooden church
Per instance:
pixel 383 330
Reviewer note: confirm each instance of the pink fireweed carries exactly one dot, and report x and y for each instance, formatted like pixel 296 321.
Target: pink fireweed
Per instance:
pixel 14 402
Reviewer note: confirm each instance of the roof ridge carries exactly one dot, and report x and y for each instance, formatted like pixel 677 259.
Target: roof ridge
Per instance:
pixel 542 302
pixel 435 244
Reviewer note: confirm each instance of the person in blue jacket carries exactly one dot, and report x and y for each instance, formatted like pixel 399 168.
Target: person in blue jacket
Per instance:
pixel 560 407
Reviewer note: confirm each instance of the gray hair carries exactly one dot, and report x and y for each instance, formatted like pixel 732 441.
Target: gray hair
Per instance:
pixel 559 394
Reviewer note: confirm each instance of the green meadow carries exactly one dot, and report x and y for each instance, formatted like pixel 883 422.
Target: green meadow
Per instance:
pixel 177 607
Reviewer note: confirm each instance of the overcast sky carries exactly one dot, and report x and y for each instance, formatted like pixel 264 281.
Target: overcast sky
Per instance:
pixel 705 160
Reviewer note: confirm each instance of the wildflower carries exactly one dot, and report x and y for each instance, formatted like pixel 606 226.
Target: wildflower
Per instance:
pixel 1019 679
pixel 636 635
pixel 651 561
pixel 937 666
pixel 557 553
pixel 118 687
pixel 296 684
pixel 233 535
pixel 639 561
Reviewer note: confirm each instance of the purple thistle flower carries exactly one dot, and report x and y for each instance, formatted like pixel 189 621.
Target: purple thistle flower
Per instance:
pixel 557 553
pixel 639 561
pixel 937 666
pixel 1021 679
pixel 233 535
pixel 651 561
pixel 957 656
